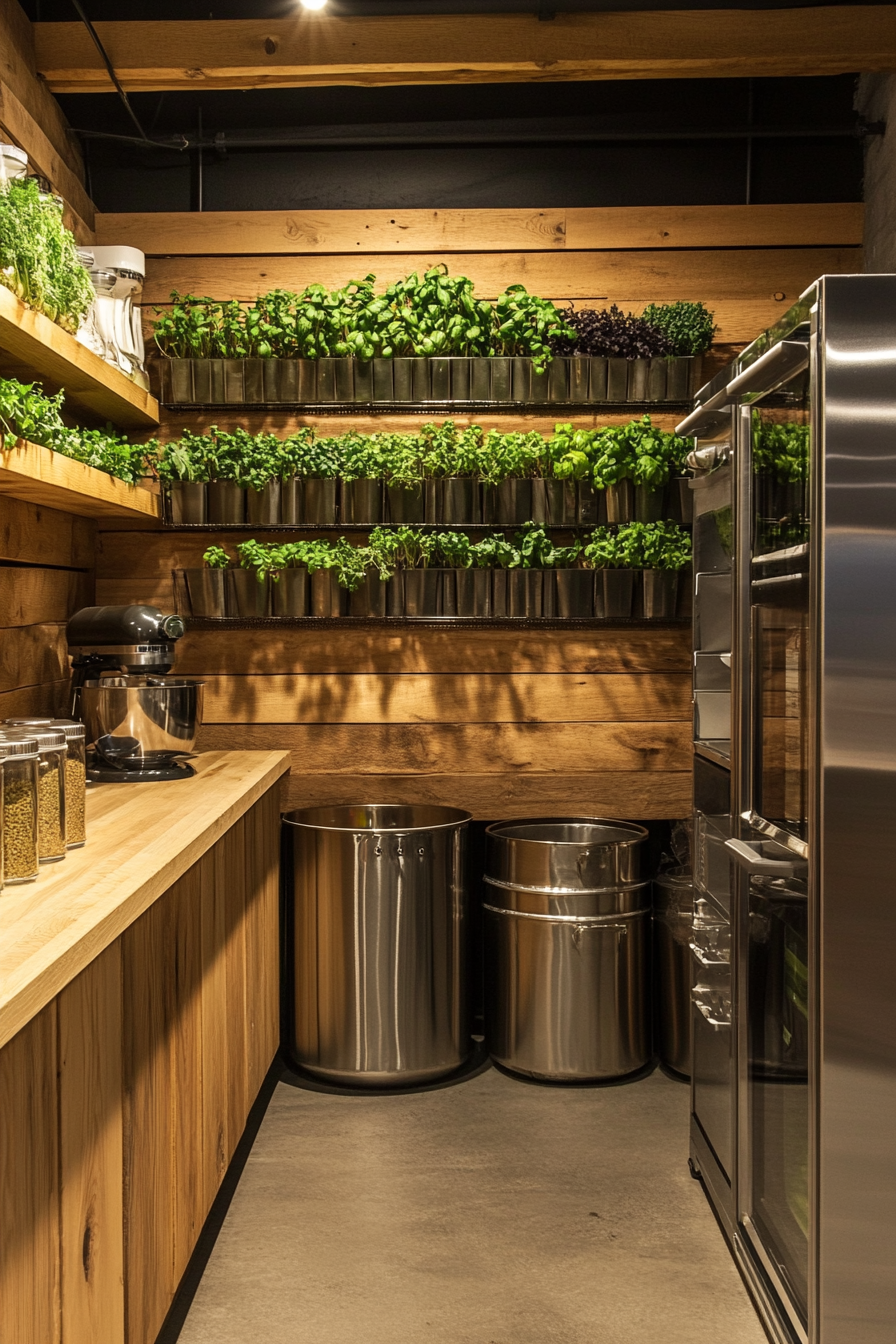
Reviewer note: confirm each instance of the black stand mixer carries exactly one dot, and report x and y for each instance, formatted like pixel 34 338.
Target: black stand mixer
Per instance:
pixel 142 722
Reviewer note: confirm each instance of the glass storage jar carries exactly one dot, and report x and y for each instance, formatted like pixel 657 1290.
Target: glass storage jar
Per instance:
pixel 19 764
pixel 75 772
pixel 50 789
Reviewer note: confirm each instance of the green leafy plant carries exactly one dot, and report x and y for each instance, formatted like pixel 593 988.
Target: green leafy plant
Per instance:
pixel 637 451
pixel 454 550
pixel 662 545
pixel 216 558
pixel 780 450
pixel 688 327
pixel 39 258
pixel 570 453
pixel 495 552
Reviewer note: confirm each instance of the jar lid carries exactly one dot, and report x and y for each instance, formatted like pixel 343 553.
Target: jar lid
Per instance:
pixel 47 738
pixel 72 728
pixel 20 745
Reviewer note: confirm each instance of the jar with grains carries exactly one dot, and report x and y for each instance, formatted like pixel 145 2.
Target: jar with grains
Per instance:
pixel 50 789
pixel 75 773
pixel 19 764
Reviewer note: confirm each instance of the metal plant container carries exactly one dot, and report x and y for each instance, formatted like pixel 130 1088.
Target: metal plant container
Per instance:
pixel 656 378
pixel 402 378
pixel 307 373
pixel 244 595
pixel 205 591
pixel 683 377
pixel 574 590
pixel 363 379
pixel 539 386
pixel 180 380
pixel 395 595
pixel 638 374
pixel 458 500
pixel 682 485
pixel 659 594
pixel 579 378
pixel 203 383
pixel 567 922
pixel 344 380
pixel 649 504
pixel 599 378
pixel 618 593
pixel 326 594
pixel 326 379
pixel 521 389
pixel 422 592
pixel 405 505
pixel 447 591
pixel 461 373
pixel 558 379
pixel 421 386
pixel 502 378
pixel 290 593
pixel 226 502
pixel 253 379
pixel 292 493
pixel 617 380
pixel 481 378
pixel 362 501
pixel 620 502
pixel 320 500
pixel 588 504
pixel 234 381
pixel 188 502
pixel 553 502
pixel 370 597
pixel 473 589
pixel 288 381
pixel 263 506
pixel 377 969
pixel 440 378
pixel 511 500
pixel 383 383
pixel 525 592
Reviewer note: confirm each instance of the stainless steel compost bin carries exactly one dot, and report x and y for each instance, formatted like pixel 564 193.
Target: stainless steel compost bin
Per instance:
pixel 567 924
pixel 673 933
pixel 377 933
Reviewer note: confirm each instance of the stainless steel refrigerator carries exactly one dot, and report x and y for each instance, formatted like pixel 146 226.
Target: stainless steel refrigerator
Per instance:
pixel 793 1125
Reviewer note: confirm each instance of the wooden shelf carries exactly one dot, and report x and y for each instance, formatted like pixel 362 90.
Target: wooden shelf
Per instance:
pixel 31 346
pixel 42 476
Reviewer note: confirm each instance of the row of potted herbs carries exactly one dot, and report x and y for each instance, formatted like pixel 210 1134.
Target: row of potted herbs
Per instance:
pixel 617 573
pixel 426 338
pixel 443 474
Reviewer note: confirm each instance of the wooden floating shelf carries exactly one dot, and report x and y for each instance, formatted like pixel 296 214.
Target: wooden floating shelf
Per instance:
pixel 435 407
pixel 42 476
pixel 31 346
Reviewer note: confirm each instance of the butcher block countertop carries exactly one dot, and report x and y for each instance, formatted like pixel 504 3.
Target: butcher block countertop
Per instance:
pixel 140 839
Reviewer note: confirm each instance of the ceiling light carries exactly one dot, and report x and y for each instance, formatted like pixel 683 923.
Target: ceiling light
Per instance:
pixel 313 4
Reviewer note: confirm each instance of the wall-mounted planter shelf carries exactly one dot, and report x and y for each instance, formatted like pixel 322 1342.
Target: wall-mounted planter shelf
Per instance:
pixel 432 385
pixel 200 624
pixel 41 476
pixel 31 346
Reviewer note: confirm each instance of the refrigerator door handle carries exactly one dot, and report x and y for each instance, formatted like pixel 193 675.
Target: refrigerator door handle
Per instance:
pixel 765 858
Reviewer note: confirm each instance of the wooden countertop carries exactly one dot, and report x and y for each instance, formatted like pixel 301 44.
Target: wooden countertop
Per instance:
pixel 140 839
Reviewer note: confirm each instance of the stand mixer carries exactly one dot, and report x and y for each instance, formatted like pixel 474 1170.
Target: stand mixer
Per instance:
pixel 141 722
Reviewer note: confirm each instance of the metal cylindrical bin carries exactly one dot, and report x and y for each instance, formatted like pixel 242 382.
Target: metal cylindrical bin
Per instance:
pixel 377 962
pixel 567 924
pixel 673 932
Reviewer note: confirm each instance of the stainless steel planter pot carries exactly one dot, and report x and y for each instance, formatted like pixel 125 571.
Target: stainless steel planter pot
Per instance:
pixel 205 590
pixel 579 376
pixel 422 592
pixel 511 501
pixel 395 595
pixel 403 378
pixel 458 500
pixel 649 504
pixel 226 502
pixel 683 377
pixel 244 595
pixel 291 501
pixel 320 499
pixel 599 375
pixel 234 381
pixel 502 378
pixel 369 599
pixel 567 927
pixel 554 502
pixel 638 373
pixel 288 380
pixel 440 378
pixel 208 381
pixel 263 506
pixel 574 592
pixel 383 385
pixel 618 593
pixel 461 373
pixel 659 594
pixel 326 594
pixel 620 502
pixel 405 506
pixel 521 387
pixel 289 593
pixel 422 383
pixel 474 592
pixel 307 371
pixel 481 378
pixel 345 383
pixel 588 504
pixel 363 379
pixel 525 592
pixel 180 380
pixel 617 380
pixel 500 586
pixel 558 379
pixel 448 592
pixel 362 501
pixel 539 386
pixel 326 379
pixel 188 501
pixel 253 379
pixel 377 965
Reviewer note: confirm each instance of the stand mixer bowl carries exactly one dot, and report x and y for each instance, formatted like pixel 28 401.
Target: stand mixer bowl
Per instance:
pixel 142 722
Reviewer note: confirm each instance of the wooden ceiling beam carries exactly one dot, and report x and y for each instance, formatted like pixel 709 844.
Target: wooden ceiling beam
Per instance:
pixel 445 49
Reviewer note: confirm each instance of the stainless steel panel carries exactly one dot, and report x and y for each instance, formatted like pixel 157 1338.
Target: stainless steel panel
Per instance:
pixel 377 949
pixel 567 855
pixel 713 1061
pixel 152 714
pixel 712 715
pixel 712 613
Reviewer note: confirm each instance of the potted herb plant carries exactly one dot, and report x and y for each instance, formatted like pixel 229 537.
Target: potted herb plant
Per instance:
pixel 688 328
pixel 294 456
pixel 571 594
pixel 452 463
pixel 453 555
pixel 326 594
pixel 403 470
pixel 612 472
pixel 627 344
pixel 610 554
pixel 367 580
pixel 183 470
pixel 247 583
pixel 569 493
pixel 321 465
pixel 205 587
pixel 525 591
pixel 661 551
pixel 657 456
pixel 290 586
pixel 509 462
pixel 497 554
pixel 361 469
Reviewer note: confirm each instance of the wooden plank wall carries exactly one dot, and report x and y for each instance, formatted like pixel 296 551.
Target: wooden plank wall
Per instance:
pixel 502 723
pixel 47 565
pixel 124 1099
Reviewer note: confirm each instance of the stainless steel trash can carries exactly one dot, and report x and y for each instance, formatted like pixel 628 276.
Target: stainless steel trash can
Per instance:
pixel 567 925
pixel 673 933
pixel 377 923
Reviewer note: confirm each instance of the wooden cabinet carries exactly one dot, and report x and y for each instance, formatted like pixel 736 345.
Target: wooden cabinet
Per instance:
pixel 123 1099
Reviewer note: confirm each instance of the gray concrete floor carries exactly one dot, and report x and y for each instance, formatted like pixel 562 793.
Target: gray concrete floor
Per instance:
pixel 493 1212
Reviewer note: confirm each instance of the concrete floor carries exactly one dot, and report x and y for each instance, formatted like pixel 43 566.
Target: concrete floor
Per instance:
pixel 492 1212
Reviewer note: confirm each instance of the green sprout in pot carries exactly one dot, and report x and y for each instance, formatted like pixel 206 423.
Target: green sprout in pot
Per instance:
pixel 496 552
pixel 362 457
pixel 534 546
pixel 351 564
pixel 454 550
pixel 637 451
pixel 688 327
pixel 565 557
pixel 189 458
pixel 603 550
pixel 528 325
pixel 190 328
pixel 216 558
pixel 256 555
pixel 402 456
pixel 570 452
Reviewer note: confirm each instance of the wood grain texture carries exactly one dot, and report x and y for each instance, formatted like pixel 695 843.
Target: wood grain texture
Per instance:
pixel 477 749
pixel 147 966
pixel 41 596
pixel 262 939
pixel 31 345
pixel 470 698
pixel 214 1047
pixel 32 535
pixel 230 884
pixel 43 477
pixel 492 797
pixel 295 233
pixel 185 1027
pixel 29 1185
pixel 50 932
pixel 91 1152
pixel 44 156
pixel 32 655
pixel 635 277
pixel 441 49
pixel 378 649
pixel 53 699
